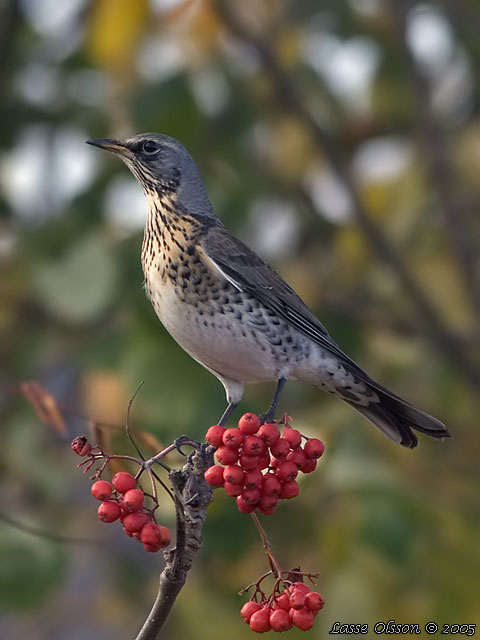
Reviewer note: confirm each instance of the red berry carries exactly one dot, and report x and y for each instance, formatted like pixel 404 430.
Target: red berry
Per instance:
pixel 155 534
pixel 101 490
pixel 302 619
pixel 109 511
pixel 254 446
pixel 264 460
pixel 252 496
pixel 245 507
pixel 309 466
pixel 234 474
pixel 297 599
pixel 280 449
pixel 314 448
pixel 286 471
pixel 289 489
pixel 81 446
pixel 301 586
pixel 152 548
pixel 298 457
pixel 260 620
pixel 226 456
pixel 293 436
pixel 314 601
pixel 249 423
pixel 270 433
pixel 232 438
pixel 214 475
pixel 253 479
pixel 214 435
pixel 280 620
pixel 133 500
pixel 249 463
pixel 123 482
pixel 283 602
pixel 233 490
pixel 133 522
pixel 271 485
pixel 268 505
pixel 248 609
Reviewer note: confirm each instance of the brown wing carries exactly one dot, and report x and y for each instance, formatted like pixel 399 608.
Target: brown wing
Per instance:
pixel 249 273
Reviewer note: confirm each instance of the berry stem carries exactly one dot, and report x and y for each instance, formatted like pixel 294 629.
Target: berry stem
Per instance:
pixel 277 570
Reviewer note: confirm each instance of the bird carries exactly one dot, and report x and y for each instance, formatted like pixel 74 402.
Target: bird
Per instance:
pixel 229 310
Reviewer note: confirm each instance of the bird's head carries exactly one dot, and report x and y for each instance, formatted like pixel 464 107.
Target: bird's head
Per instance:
pixel 164 168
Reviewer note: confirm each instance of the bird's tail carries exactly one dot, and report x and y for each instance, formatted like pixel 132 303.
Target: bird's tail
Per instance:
pixel 397 419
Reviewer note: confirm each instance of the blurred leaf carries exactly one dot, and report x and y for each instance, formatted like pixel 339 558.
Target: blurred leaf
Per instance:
pixel 81 285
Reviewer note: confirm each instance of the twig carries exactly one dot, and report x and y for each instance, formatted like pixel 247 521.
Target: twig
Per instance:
pixel 192 497
pixel 442 338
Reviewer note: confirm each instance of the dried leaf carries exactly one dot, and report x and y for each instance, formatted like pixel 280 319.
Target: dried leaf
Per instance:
pixel 44 404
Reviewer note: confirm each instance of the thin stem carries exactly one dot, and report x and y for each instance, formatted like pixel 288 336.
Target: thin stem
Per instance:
pixel 127 425
pixel 277 570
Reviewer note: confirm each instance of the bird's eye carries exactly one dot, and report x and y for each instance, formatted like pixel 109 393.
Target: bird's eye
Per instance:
pixel 149 146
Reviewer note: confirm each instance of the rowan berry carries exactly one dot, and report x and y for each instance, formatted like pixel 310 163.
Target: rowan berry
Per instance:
pixel 249 463
pixel 233 490
pixel 152 548
pixel 271 485
pixel 264 460
pixel 155 534
pixel 225 455
pixel 234 474
pixel 214 435
pixel 81 446
pixel 133 522
pixel 252 496
pixel 301 586
pixel 232 438
pixel 297 599
pixel 253 479
pixel 282 601
pixel 280 448
pixel 254 446
pixel 270 433
pixel 292 436
pixel 260 620
pixel 289 489
pixel 314 448
pixel 302 619
pixel 286 471
pixel 109 511
pixel 245 507
pixel 123 482
pixel 314 601
pixel 214 475
pixel 280 620
pixel 309 466
pixel 248 609
pixel 133 499
pixel 298 457
pixel 101 490
pixel 267 505
pixel 249 423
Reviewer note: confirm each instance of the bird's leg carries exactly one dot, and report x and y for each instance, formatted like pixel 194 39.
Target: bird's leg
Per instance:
pixel 270 415
pixel 227 413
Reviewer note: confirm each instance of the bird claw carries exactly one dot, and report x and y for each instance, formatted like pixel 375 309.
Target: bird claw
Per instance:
pixel 185 440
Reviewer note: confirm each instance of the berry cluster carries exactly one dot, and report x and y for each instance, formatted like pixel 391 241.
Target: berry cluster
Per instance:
pixel 123 500
pixel 258 465
pixel 295 606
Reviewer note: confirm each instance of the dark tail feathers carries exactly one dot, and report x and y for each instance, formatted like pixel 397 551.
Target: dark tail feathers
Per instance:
pixel 396 418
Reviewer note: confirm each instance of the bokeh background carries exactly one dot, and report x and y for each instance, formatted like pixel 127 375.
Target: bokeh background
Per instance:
pixel 341 140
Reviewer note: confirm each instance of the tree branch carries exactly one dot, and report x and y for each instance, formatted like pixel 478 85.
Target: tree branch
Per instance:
pixel 442 338
pixel 192 497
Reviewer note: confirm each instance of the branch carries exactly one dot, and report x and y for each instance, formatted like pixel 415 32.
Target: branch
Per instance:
pixel 192 497
pixel 442 338
pixel 436 152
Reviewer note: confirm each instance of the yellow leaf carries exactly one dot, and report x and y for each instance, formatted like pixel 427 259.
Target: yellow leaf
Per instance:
pixel 114 30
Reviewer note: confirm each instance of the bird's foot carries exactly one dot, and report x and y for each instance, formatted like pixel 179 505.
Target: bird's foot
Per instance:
pixel 185 440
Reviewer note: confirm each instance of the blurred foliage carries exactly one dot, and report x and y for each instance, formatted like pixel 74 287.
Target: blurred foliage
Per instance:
pixel 394 532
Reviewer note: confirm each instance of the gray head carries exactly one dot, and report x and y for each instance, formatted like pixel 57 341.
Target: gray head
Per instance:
pixel 163 167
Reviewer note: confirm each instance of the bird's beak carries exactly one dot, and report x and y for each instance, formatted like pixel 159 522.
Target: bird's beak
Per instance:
pixel 109 144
